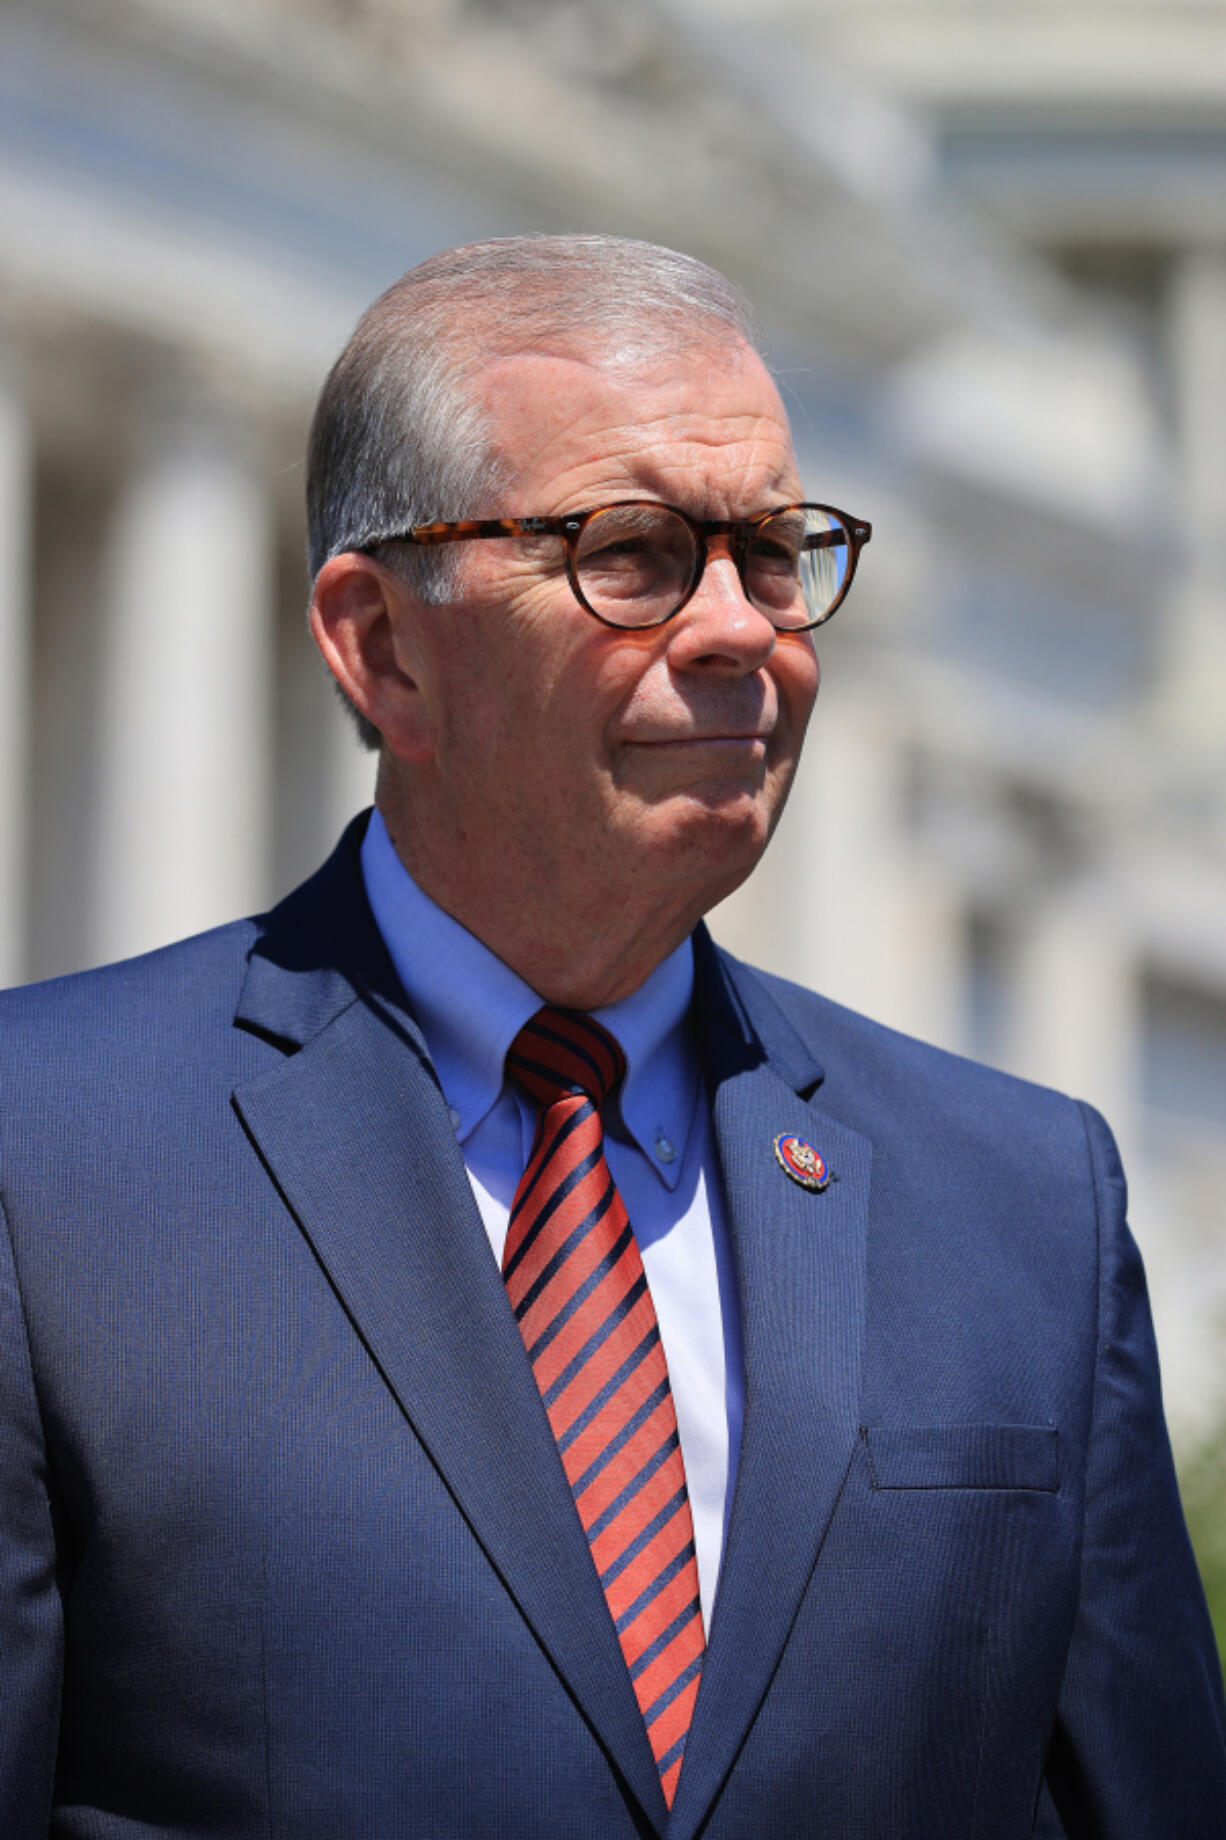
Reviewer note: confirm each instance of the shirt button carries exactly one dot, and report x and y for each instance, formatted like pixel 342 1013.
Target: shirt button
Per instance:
pixel 454 1117
pixel 664 1148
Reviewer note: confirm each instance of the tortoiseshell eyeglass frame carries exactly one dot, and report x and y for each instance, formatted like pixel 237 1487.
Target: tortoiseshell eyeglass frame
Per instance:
pixel 571 524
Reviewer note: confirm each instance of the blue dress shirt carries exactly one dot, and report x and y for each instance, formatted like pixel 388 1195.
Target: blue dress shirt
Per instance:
pixel 470 1006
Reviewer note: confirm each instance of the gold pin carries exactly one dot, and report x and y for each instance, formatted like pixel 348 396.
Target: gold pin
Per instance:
pixel 797 1158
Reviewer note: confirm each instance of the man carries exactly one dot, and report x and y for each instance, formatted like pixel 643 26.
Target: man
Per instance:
pixel 478 1361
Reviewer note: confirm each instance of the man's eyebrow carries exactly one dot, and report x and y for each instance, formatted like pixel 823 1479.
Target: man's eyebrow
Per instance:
pixel 745 514
pixel 767 494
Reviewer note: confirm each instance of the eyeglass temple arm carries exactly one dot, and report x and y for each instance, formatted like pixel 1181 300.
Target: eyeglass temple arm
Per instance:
pixel 468 528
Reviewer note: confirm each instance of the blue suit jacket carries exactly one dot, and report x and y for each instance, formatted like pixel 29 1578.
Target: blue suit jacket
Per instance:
pixel 286 1548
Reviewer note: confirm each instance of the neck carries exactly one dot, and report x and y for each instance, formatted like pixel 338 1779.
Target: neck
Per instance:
pixel 579 948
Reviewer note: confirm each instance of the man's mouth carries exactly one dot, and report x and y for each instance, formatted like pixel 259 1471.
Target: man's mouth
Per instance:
pixel 720 738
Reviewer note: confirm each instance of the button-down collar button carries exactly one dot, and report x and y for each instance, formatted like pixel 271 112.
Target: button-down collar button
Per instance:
pixel 665 1149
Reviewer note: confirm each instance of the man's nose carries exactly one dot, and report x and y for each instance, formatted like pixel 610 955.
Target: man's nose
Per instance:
pixel 719 628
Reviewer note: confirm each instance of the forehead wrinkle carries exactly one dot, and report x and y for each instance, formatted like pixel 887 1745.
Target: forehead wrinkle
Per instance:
pixel 571 444
pixel 709 456
pixel 744 472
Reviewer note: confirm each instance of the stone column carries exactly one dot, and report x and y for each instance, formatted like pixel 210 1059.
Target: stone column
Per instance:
pixel 1074 1009
pixel 182 833
pixel 1193 693
pixel 16 688
pixel 884 921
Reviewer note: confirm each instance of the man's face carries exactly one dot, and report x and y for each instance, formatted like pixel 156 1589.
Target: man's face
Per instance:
pixel 571 762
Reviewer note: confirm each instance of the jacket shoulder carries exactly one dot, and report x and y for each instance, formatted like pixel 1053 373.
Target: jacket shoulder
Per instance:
pixel 914 1080
pixel 179 992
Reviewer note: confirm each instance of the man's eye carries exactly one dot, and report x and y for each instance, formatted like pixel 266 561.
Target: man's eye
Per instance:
pixel 624 549
pixel 777 557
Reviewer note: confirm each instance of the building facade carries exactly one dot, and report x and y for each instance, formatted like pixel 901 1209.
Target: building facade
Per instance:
pixel 991 265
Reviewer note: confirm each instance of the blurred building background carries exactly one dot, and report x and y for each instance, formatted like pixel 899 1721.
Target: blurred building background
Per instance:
pixel 988 245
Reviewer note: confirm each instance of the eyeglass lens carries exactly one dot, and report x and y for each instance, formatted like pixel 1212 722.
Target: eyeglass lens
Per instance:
pixel 635 564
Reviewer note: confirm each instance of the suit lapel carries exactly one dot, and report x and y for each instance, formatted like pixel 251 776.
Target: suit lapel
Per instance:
pixel 354 1131
pixel 800 1267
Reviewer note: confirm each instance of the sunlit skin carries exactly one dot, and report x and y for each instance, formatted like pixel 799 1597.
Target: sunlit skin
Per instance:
pixel 575 796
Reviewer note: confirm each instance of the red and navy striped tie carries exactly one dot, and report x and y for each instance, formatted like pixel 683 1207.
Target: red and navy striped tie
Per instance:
pixel 579 1292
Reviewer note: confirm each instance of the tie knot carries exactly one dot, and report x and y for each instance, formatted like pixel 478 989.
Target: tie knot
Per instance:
pixel 562 1051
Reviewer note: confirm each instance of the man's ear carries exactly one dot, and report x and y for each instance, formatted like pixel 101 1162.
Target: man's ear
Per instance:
pixel 362 616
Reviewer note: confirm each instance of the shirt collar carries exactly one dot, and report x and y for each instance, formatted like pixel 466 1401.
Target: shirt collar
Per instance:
pixel 471 1006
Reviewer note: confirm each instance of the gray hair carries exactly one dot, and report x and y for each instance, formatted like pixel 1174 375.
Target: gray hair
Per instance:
pixel 397 438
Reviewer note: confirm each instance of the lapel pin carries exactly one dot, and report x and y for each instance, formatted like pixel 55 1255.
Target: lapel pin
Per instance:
pixel 797 1158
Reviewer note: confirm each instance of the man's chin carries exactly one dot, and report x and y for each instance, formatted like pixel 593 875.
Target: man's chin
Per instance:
pixel 724 829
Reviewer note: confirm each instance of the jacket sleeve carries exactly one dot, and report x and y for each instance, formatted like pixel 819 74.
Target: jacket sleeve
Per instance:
pixel 1139 1752
pixel 30 1614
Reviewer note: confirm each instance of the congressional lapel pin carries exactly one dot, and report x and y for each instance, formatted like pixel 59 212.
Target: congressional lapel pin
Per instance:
pixel 797 1158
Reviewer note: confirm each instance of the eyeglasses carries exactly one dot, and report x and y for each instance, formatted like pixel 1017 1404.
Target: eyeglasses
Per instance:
pixel 636 563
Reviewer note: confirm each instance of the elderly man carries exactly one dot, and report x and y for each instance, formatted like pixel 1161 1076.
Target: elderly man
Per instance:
pixel 475 1359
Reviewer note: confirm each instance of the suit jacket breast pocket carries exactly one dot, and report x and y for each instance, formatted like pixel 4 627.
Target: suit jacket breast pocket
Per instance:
pixel 963 1456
